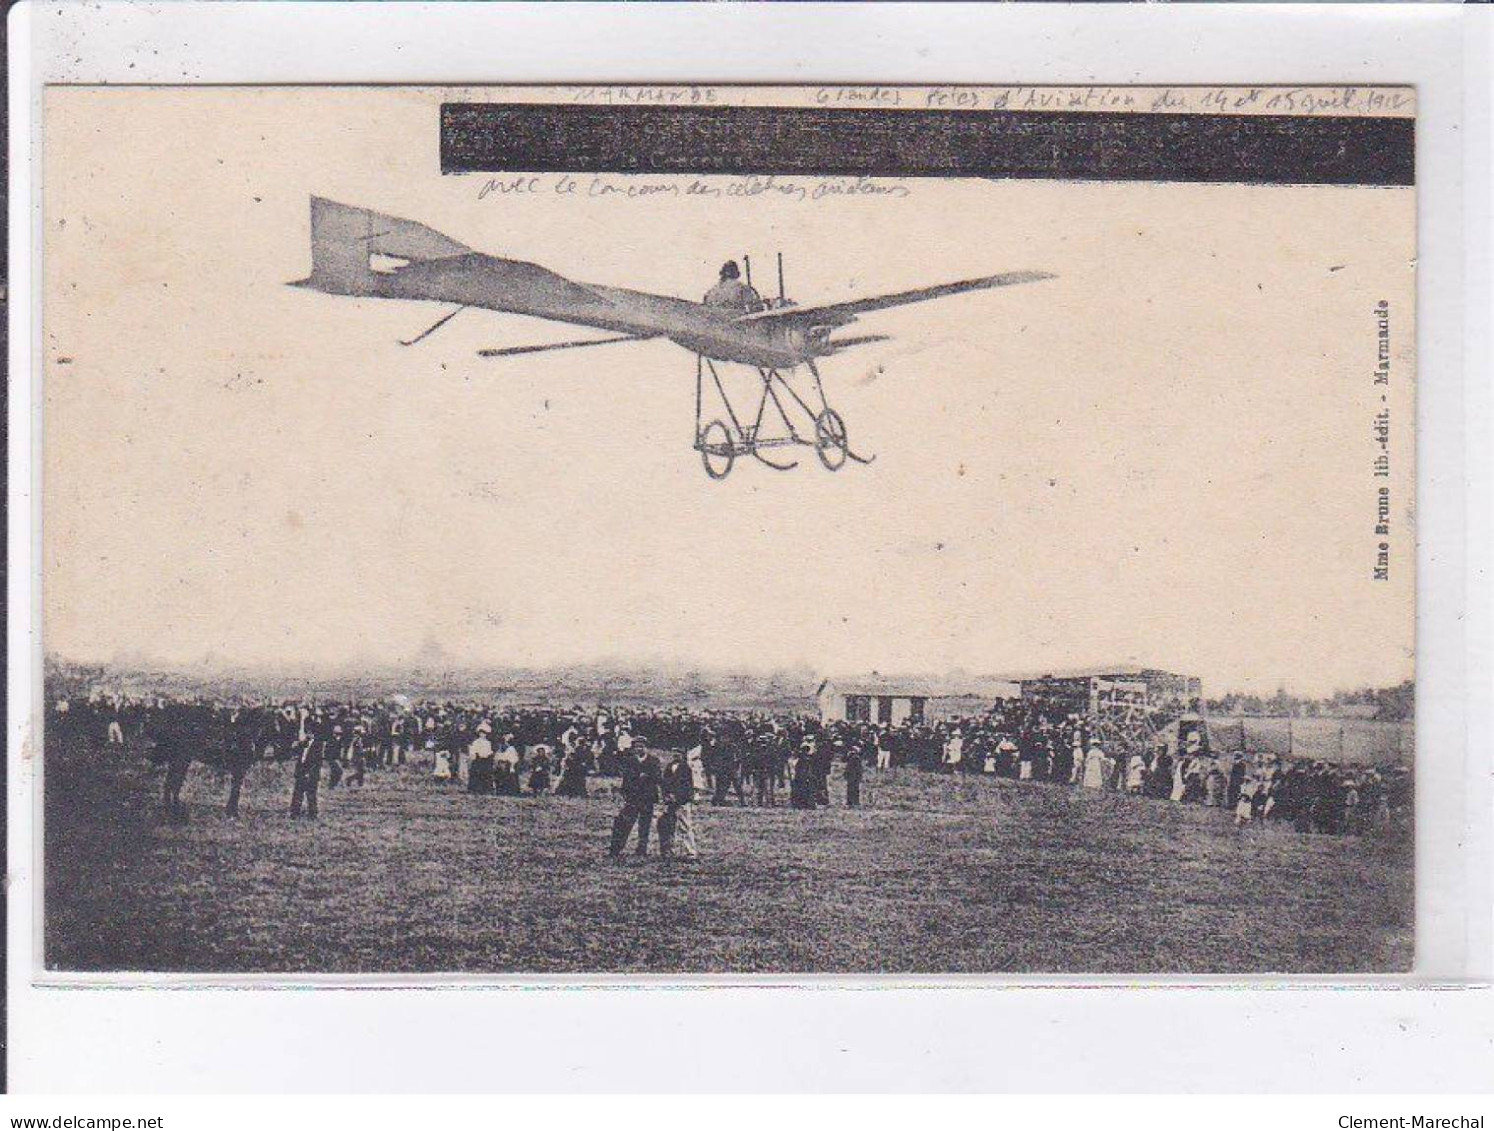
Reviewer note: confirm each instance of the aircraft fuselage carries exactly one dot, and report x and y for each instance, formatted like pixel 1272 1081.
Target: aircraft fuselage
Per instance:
pixel 512 286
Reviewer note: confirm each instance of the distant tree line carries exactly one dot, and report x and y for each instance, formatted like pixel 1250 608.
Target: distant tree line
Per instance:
pixel 1387 704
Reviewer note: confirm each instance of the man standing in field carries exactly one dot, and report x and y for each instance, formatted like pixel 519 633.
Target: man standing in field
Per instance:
pixel 728 765
pixel 853 778
pixel 679 808
pixel 764 755
pixel 641 779
pixel 308 771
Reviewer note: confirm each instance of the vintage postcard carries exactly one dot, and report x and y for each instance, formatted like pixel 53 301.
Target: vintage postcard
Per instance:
pixel 723 530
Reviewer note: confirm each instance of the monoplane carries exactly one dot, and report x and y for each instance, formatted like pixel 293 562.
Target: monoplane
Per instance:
pixel 355 251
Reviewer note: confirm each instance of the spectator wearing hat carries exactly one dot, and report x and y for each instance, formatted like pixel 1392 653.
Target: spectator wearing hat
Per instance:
pixel 1351 796
pixel 1136 773
pixel 1374 808
pixel 1245 803
pixel 1025 759
pixel 954 751
pixel 1214 787
pixel 334 746
pixel 308 776
pixel 572 772
pixel 506 768
pixel 1194 778
pixel 802 784
pixel 1179 779
pixel 1094 767
pixel 539 770
pixel 854 770
pixel 677 786
pixel 823 762
pixel 480 760
pixel 1236 780
pixel 642 779
pixel 760 763
pixel 440 761
pixel 1159 776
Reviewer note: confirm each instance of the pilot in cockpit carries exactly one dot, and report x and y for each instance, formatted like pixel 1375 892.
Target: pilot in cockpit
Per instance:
pixel 730 293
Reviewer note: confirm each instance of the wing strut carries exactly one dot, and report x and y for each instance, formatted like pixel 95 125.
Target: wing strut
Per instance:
pixel 420 337
pixel 513 351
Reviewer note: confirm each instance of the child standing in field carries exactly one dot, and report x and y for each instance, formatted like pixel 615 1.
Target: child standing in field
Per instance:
pixel 954 749
pixel 1351 807
pixel 1245 804
pixel 1135 774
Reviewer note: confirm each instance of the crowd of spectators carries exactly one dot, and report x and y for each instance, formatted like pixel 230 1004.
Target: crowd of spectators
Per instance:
pixel 736 757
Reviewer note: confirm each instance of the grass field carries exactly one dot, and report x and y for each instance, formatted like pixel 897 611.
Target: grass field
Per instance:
pixel 934 875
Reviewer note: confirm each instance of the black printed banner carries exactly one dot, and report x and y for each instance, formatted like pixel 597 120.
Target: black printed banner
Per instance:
pixel 874 142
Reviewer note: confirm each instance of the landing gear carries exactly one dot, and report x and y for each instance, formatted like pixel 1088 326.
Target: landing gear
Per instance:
pixel 720 443
pixel 830 440
pixel 717 452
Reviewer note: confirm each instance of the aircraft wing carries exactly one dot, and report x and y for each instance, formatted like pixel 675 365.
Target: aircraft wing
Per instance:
pixel 839 313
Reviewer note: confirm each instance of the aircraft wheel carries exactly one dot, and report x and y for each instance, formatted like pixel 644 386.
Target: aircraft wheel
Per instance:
pixel 717 452
pixel 830 442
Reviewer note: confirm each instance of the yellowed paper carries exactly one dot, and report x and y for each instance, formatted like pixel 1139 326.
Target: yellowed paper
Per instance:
pixel 1160 455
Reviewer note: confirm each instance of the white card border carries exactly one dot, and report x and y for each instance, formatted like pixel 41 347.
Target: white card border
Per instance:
pixel 140 1037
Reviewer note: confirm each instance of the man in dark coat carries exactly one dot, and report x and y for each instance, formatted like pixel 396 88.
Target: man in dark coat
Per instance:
pixel 177 736
pixel 308 774
pixel 802 787
pixel 824 759
pixel 572 774
pixel 641 779
pixel 764 766
pixel 853 778
pixel 334 746
pixel 729 768
pixel 255 732
pixel 1236 781
pixel 1159 777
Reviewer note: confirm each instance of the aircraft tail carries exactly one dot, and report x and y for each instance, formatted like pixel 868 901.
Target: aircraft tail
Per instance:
pixel 352 248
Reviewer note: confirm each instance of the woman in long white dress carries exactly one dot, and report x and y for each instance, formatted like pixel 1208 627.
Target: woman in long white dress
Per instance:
pixel 1094 767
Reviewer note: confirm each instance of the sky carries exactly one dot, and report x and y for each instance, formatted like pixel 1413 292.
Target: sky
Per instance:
pixel 1162 455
